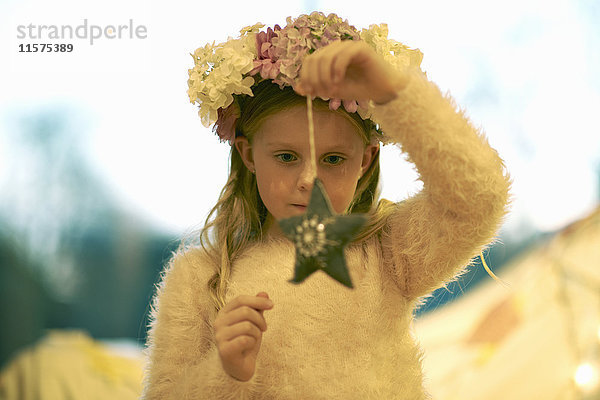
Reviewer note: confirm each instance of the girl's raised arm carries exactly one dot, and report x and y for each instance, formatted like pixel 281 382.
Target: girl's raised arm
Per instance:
pixel 434 234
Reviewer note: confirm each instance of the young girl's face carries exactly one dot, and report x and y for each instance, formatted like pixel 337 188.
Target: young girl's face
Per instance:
pixel 280 156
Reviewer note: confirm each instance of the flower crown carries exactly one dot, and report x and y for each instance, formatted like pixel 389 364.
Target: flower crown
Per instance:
pixel 232 68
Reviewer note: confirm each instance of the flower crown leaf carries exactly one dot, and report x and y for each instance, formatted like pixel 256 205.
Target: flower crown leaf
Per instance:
pixel 233 67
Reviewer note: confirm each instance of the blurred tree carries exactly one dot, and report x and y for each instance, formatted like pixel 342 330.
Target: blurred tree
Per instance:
pixel 79 259
pixel 24 302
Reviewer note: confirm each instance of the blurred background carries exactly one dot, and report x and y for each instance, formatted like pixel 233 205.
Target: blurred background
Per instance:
pixel 104 166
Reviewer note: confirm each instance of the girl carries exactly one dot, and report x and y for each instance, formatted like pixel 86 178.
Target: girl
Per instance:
pixel 227 324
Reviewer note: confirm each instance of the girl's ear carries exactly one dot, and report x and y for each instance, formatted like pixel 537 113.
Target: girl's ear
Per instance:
pixel 368 156
pixel 244 148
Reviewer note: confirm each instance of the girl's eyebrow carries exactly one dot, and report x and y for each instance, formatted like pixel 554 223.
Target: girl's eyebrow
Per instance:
pixel 337 147
pixel 280 144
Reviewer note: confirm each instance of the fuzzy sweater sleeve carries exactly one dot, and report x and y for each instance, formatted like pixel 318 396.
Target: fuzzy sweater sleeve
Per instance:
pixel 432 235
pixel 182 358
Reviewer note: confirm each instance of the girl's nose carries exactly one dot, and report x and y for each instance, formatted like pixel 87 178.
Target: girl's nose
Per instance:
pixel 306 177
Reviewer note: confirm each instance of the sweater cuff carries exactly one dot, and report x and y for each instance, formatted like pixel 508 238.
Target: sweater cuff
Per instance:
pixel 416 100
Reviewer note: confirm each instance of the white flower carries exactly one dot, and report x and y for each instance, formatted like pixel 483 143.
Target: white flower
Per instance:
pixel 251 29
pixel 394 52
pixel 218 73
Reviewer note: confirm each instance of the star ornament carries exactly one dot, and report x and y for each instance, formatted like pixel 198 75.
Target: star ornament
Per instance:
pixel 320 236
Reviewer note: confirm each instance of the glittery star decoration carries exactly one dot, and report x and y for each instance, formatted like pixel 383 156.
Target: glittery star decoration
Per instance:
pixel 320 236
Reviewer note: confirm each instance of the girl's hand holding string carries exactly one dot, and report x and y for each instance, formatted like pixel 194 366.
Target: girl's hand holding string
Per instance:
pixel 349 70
pixel 238 331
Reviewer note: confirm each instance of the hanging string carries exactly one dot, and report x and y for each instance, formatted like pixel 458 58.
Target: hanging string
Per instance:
pixel 490 273
pixel 311 136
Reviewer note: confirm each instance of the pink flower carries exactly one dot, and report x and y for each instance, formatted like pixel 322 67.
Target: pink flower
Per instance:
pixel 349 105
pixel 267 63
pixel 334 104
pixel 267 68
pixel 225 125
pixel 264 42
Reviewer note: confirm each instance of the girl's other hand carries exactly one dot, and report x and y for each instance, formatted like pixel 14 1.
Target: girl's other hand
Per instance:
pixel 349 70
pixel 238 331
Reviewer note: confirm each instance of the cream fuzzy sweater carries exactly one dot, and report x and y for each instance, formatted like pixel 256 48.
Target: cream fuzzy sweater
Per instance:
pixel 325 341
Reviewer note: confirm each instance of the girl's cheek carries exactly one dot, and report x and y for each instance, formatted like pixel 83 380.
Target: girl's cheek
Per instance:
pixel 278 185
pixel 345 174
pixel 340 194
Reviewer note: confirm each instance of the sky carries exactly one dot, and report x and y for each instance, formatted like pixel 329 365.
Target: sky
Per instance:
pixel 524 71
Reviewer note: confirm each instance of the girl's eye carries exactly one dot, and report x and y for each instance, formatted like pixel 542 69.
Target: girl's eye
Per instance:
pixel 333 159
pixel 286 157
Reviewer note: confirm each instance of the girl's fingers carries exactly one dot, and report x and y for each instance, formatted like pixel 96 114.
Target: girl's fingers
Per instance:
pixel 338 68
pixel 340 65
pixel 256 302
pixel 312 75
pixel 244 328
pixel 237 345
pixel 246 314
pixel 303 86
pixel 325 71
pixel 244 343
pixel 241 315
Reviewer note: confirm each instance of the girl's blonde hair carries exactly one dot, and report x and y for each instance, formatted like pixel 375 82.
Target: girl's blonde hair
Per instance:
pixel 239 215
